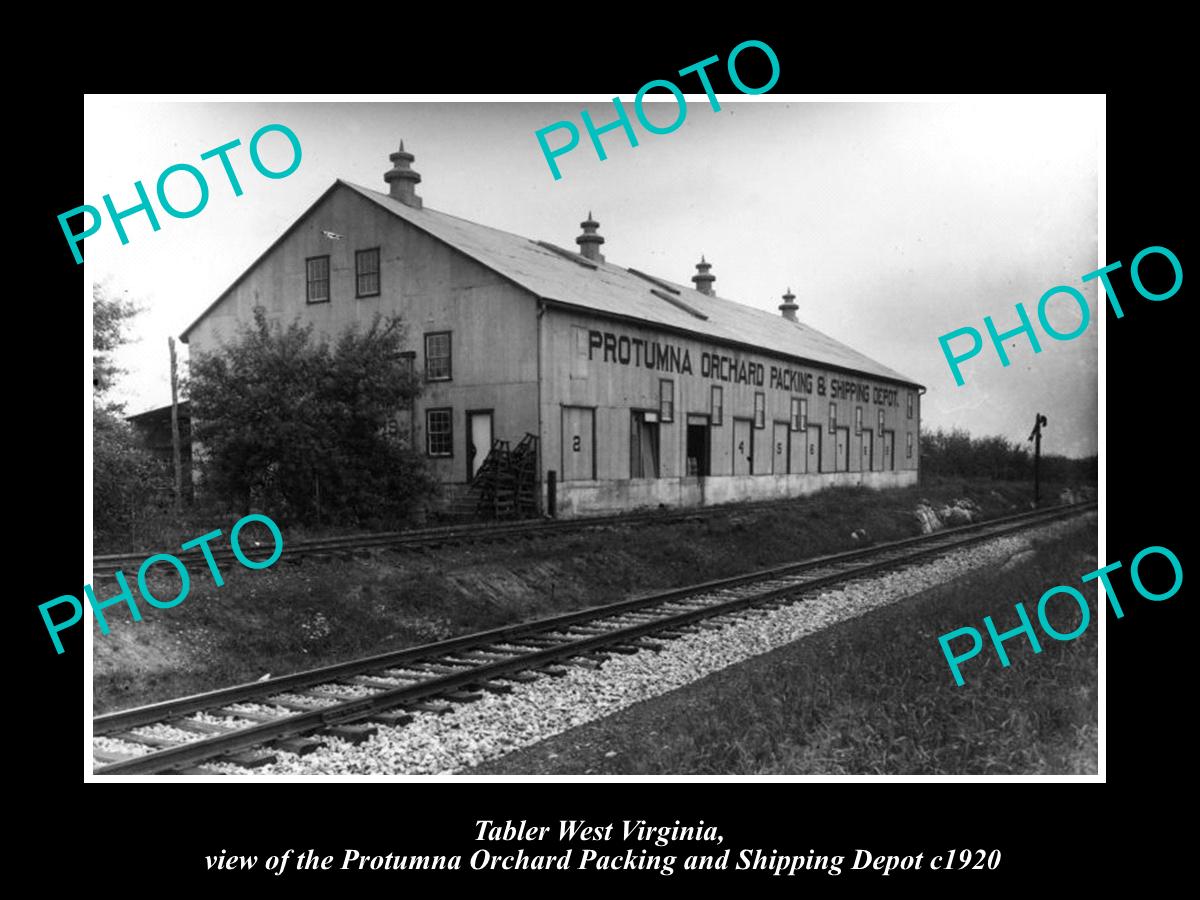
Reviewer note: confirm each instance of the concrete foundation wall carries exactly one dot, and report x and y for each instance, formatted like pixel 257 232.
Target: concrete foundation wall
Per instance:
pixel 582 498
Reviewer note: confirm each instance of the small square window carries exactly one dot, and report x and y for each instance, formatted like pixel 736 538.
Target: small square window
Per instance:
pixel 858 420
pixel 666 400
pixel 832 417
pixel 439 434
pixel 717 409
pixel 437 356
pixel 366 273
pixel 760 410
pixel 318 279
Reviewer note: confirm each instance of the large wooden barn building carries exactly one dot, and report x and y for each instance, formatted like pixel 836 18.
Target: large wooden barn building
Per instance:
pixel 639 390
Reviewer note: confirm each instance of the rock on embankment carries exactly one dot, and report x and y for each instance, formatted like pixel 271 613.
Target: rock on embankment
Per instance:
pixel 961 512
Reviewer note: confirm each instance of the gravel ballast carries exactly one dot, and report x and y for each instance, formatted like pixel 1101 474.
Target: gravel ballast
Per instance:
pixel 499 723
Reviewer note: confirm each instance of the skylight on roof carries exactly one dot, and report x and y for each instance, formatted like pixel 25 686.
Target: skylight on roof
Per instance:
pixel 573 257
pixel 675 301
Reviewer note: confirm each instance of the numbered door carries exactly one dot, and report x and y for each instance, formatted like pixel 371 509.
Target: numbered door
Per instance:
pixel 868 451
pixel 889 450
pixel 578 444
pixel 779 449
pixel 479 439
pixel 743 447
pixel 797 454
pixel 813 441
pixel 842 459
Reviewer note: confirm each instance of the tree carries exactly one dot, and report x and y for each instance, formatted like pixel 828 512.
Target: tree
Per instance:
pixel 109 316
pixel 297 425
pixel 128 483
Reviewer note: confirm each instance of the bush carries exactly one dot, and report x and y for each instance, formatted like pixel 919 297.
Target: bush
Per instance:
pixel 297 426
pixel 130 485
pixel 956 454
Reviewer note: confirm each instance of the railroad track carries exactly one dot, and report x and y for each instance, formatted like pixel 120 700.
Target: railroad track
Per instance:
pixel 348 546
pixel 246 723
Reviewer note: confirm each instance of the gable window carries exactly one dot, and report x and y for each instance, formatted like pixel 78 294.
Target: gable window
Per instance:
pixel 437 356
pixel 832 417
pixel 858 420
pixel 760 410
pixel 666 400
pixel 718 405
pixel 366 273
pixel 318 279
pixel 439 432
pixel 881 423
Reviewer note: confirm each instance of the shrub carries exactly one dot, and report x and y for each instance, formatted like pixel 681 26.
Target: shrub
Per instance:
pixel 298 426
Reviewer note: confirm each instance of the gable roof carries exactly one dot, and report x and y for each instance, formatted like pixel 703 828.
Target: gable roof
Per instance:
pixel 564 277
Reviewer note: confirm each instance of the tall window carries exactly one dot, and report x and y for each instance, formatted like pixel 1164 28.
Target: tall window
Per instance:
pixel 717 410
pixel 760 410
pixel 910 404
pixel 666 400
pixel 910 443
pixel 858 420
pixel 643 445
pixel 318 279
pixel 881 423
pixel 832 417
pixel 437 356
pixel 803 413
pixel 439 432
pixel 366 273
pixel 794 419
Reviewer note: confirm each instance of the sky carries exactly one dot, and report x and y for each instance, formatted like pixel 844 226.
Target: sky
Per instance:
pixel 892 222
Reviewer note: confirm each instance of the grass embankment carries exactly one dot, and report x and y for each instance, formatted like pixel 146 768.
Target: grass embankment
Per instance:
pixel 296 616
pixel 873 695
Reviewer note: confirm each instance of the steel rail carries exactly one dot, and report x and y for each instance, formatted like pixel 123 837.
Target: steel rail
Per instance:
pixel 192 752
pixel 109 723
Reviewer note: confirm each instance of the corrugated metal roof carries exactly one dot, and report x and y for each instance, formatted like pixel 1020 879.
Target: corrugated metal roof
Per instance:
pixel 543 270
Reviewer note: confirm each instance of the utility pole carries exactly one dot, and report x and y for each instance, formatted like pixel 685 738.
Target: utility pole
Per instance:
pixel 1036 437
pixel 175 448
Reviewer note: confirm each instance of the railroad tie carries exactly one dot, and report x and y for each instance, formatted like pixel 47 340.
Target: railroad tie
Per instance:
pixel 463 696
pixel 249 759
pixel 367 681
pixel 199 727
pixel 301 746
pixel 522 677
pixel 156 742
pixel 553 671
pixel 493 687
pixel 248 716
pixel 330 695
pixel 583 662
pixel 429 706
pixel 111 756
pixel 646 644
pixel 393 717
pixel 355 733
